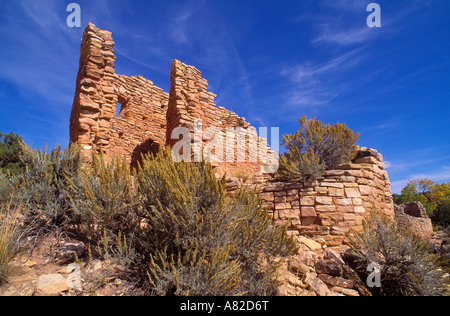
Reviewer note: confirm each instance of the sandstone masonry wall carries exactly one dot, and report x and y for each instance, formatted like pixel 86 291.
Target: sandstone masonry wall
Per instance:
pixel 148 115
pixel 331 206
pixel 94 123
pixel 190 101
pixel 413 217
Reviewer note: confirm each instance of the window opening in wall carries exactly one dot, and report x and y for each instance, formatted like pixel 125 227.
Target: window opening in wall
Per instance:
pixel 119 109
pixel 121 105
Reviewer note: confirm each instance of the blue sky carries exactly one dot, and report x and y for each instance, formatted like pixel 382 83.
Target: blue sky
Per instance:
pixel 269 61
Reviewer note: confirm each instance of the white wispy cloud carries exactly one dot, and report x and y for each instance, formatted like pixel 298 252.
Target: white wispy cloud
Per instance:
pixel 346 23
pixel 345 37
pixel 387 164
pixel 317 83
pixel 309 72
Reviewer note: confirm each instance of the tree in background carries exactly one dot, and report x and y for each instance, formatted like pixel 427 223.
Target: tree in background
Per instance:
pixel 435 198
pixel 10 151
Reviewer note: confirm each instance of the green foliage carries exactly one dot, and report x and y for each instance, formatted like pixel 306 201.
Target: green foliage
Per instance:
pixel 10 151
pixel 429 193
pixel 171 227
pixel 408 268
pixel 441 215
pixel 195 274
pixel 104 201
pixel 42 187
pixel 215 243
pixel 175 229
pixel 6 189
pixel 316 147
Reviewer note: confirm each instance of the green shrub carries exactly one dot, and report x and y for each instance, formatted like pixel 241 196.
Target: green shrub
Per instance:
pixel 10 151
pixel 6 188
pixel 174 228
pixel 42 187
pixel 408 268
pixel 316 147
pixel 103 202
pixel 441 215
pixel 201 241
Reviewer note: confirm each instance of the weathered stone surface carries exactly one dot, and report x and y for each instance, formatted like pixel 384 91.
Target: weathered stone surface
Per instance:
pixel 307 200
pixel 369 159
pixel 311 244
pixel 347 292
pixel 50 285
pixel 414 218
pixel 352 193
pixel 336 281
pixel 67 252
pixel 307 257
pixel 299 268
pixel 325 200
pixel 317 285
pixel 308 211
pixel 331 267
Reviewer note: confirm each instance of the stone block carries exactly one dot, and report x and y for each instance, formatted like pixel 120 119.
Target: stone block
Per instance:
pixel 282 206
pixel 308 211
pixel 325 208
pixel 360 210
pixel 365 189
pixel 369 159
pixel 352 193
pixel 357 202
pixel 344 202
pixel 324 200
pixel 336 192
pixel 307 200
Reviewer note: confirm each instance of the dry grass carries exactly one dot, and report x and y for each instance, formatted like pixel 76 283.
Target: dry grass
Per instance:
pixel 8 229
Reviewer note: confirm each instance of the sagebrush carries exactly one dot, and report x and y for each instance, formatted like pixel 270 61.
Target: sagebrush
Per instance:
pixel 8 236
pixel 174 227
pixel 408 266
pixel 316 147
pixel 42 187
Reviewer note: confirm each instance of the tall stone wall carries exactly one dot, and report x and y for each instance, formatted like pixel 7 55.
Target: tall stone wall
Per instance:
pixel 140 126
pixel 148 115
pixel 190 103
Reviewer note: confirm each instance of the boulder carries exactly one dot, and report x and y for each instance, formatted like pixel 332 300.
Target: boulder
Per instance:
pixel 67 252
pixel 317 285
pixel 330 267
pixel 309 258
pixel 50 285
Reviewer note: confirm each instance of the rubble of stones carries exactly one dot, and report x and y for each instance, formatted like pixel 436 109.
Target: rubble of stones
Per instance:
pixel 68 271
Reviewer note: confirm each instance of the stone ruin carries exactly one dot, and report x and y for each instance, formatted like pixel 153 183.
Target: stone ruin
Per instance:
pixel 329 207
pixel 414 216
pixel 147 115
pixel 324 210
